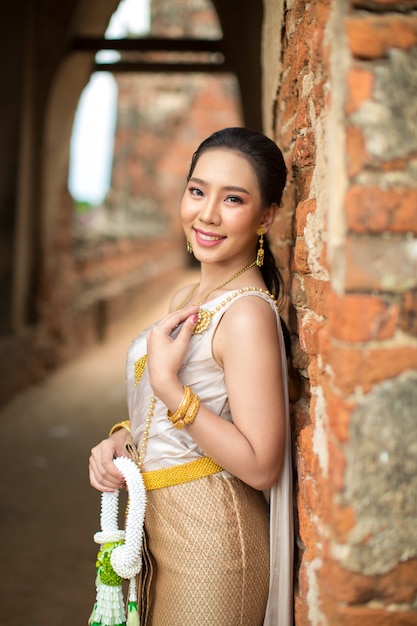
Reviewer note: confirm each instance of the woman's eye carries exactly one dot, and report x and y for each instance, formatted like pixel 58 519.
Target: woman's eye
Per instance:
pixel 234 199
pixel 195 191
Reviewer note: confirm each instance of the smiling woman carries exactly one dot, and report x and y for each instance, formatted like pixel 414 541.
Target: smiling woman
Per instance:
pixel 221 220
pixel 208 408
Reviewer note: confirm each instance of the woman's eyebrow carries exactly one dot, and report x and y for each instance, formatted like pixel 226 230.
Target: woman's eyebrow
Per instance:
pixel 200 181
pixel 233 188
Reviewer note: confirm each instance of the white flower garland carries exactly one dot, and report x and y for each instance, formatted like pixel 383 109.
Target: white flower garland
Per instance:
pixel 120 552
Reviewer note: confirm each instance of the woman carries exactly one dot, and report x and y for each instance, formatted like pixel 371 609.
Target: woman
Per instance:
pixel 208 407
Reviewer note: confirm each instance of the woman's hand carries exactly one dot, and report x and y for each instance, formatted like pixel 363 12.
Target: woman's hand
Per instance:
pixel 166 355
pixel 104 475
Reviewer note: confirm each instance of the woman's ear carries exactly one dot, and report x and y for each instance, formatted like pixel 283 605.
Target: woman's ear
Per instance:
pixel 268 216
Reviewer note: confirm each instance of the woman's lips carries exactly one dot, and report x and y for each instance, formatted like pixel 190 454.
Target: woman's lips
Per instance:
pixel 207 239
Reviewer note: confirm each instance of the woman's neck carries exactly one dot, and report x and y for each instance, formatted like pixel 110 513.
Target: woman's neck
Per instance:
pixel 217 278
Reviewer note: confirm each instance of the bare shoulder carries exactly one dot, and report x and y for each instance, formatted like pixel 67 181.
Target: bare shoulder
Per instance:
pixel 250 313
pixel 248 327
pixel 180 297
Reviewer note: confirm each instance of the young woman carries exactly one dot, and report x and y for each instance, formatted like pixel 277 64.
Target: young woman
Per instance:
pixel 208 408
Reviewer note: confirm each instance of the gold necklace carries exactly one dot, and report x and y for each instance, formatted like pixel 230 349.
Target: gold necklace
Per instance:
pixel 226 282
pixel 204 316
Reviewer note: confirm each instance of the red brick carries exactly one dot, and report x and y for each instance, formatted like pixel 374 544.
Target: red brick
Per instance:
pixel 314 371
pixel 301 257
pixel 317 292
pixel 358 368
pixel 318 95
pixel 305 151
pixel 408 318
pixel 398 586
pixel 303 119
pixel 303 183
pixel 360 83
pixel 338 410
pixel 307 529
pixel 357 156
pixel 373 36
pixel 307 459
pixel 356 317
pixel 374 210
pixel 308 333
pixel 304 209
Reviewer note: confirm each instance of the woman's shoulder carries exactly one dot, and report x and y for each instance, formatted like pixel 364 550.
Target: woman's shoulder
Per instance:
pixel 249 322
pixel 253 304
pixel 246 311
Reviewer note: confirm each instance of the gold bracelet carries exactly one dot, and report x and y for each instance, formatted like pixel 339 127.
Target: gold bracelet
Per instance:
pixel 125 424
pixel 184 404
pixel 192 410
pixel 190 414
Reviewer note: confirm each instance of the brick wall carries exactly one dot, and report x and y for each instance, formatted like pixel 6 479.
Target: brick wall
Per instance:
pixel 346 116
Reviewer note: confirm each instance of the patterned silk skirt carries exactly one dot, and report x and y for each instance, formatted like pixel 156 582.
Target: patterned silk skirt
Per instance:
pixel 206 559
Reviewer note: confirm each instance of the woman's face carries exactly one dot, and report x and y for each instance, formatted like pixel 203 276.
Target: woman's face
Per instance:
pixel 221 209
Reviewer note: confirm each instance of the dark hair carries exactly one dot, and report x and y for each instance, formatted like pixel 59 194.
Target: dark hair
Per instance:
pixel 269 166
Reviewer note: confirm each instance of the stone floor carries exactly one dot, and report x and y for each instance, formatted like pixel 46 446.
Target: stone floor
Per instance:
pixel 48 511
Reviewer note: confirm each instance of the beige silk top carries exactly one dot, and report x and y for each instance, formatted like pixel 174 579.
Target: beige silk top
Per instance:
pixel 168 446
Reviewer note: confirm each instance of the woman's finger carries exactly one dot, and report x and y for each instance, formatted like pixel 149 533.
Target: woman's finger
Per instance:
pixel 187 330
pixel 173 320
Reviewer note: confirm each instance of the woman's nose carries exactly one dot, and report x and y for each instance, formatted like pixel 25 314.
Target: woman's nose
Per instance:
pixel 209 213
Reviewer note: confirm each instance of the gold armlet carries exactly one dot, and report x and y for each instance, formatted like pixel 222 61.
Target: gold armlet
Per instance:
pixel 125 424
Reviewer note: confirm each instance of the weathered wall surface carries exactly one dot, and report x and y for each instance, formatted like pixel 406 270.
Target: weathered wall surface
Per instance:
pixel 346 115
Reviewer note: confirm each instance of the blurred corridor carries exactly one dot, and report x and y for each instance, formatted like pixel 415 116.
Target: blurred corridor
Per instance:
pixel 49 512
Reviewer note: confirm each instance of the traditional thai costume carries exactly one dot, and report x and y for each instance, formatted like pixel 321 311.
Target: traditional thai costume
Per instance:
pixel 215 552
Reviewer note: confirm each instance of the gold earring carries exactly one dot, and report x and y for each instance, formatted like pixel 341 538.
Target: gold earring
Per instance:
pixel 261 252
pixel 189 247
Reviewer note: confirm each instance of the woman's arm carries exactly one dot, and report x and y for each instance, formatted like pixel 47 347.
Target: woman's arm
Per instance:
pixel 246 344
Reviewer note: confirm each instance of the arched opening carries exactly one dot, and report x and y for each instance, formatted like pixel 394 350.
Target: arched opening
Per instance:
pixel 133 235
pixel 43 286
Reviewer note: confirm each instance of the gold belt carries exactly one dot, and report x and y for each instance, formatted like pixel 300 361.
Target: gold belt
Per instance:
pixel 178 474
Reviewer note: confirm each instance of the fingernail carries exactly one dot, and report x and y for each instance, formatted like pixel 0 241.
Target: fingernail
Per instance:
pixel 194 319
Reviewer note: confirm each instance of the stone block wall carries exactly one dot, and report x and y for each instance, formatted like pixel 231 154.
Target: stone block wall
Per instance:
pixel 346 115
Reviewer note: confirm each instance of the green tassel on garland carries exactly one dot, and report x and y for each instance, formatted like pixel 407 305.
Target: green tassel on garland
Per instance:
pixel 108 608
pixel 132 614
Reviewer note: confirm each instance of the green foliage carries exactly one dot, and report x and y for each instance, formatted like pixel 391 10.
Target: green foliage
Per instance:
pixel 82 207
